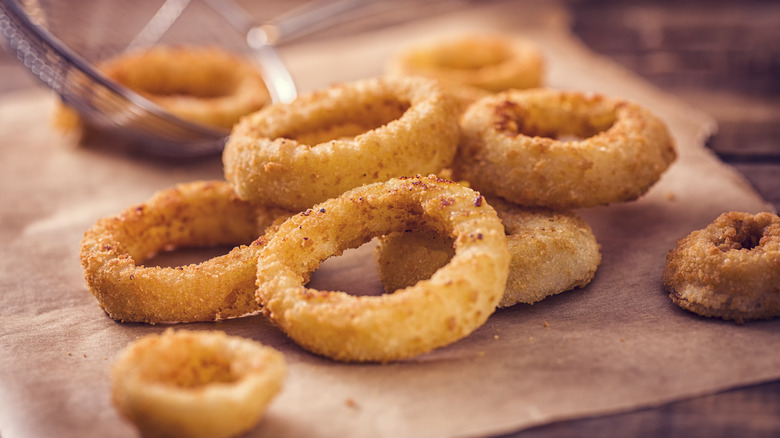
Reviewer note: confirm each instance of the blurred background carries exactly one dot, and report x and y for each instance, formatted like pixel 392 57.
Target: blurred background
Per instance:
pixel 722 57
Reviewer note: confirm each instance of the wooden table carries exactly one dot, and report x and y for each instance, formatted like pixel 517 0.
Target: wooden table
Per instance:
pixel 722 57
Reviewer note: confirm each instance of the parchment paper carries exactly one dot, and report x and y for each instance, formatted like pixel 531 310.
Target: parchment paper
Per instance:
pixel 617 345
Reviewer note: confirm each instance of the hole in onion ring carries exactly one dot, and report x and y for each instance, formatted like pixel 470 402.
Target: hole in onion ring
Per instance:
pixel 203 365
pixel 350 272
pixel 469 53
pixel 424 252
pixel 561 123
pixel 568 138
pixel 175 257
pixel 742 236
pixel 197 74
pixel 451 57
pixel 214 90
pixel 343 125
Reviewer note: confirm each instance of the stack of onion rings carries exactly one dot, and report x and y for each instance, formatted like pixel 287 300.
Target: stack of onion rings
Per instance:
pixel 551 252
pixel 327 142
pixel 730 269
pixel 510 147
pixel 455 301
pixel 196 383
pixel 201 213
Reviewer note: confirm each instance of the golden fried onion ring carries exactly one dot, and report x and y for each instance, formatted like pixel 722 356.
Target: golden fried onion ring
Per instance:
pixel 730 269
pixel 327 142
pixel 196 383
pixel 455 301
pixel 510 147
pixel 195 214
pixel 551 252
pixel 205 85
pixel 490 62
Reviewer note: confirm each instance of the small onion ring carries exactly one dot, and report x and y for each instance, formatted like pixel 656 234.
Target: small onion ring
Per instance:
pixel 327 142
pixel 730 269
pixel 195 214
pixel 195 383
pixel 436 312
pixel 490 62
pixel 510 148
pixel 551 252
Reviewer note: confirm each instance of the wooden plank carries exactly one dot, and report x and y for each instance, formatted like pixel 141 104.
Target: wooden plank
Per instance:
pixel 765 177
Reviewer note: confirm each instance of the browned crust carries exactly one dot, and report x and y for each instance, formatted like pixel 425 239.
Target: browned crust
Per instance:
pixel 730 269
pixel 194 214
pixel 511 147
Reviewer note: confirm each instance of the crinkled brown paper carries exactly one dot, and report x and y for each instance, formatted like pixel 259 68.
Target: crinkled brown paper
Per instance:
pixel 617 345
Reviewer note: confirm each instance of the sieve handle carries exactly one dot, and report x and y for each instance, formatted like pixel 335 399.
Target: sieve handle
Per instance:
pixel 312 17
pixel 263 37
pixel 304 20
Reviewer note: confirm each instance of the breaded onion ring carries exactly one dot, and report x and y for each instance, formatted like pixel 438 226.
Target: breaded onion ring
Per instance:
pixel 551 252
pixel 730 269
pixel 196 383
pixel 510 147
pixel 201 84
pixel 490 62
pixel 205 85
pixel 435 312
pixel 325 143
pixel 196 214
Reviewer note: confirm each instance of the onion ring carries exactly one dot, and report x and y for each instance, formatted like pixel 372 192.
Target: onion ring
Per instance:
pixel 436 312
pixel 490 62
pixel 510 148
pixel 201 84
pixel 551 252
pixel 730 269
pixel 204 85
pixel 195 383
pixel 200 213
pixel 325 143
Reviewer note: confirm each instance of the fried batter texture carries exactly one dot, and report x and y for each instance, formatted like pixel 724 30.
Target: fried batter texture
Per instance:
pixel 433 313
pixel 513 146
pixel 551 252
pixel 473 65
pixel 196 383
pixel 322 144
pixel 195 214
pixel 730 269
pixel 205 85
